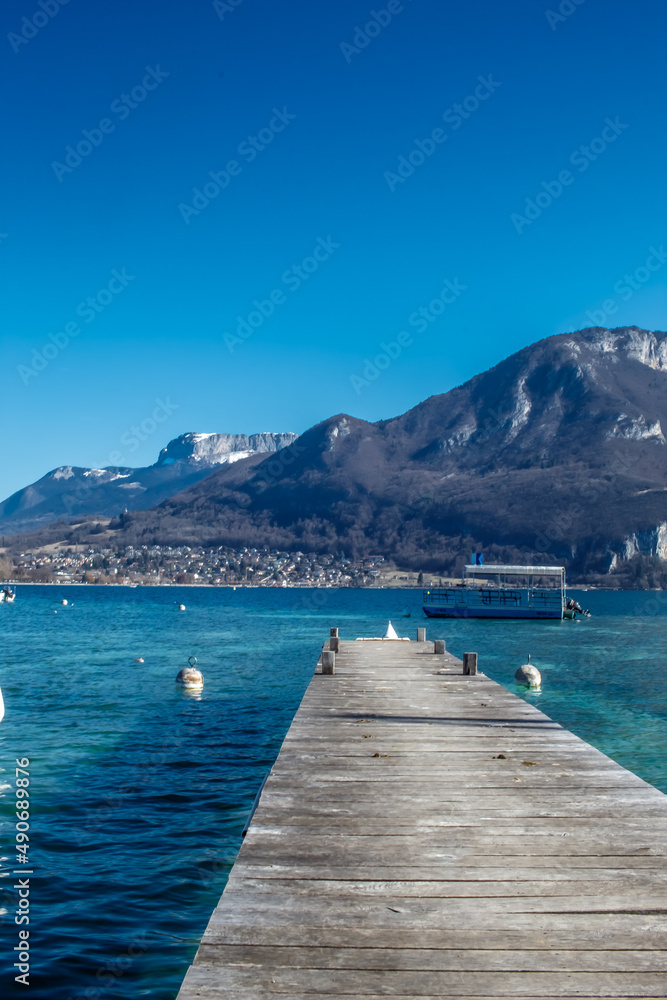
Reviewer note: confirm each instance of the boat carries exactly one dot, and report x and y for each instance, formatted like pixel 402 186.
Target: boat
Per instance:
pixel 7 596
pixel 504 591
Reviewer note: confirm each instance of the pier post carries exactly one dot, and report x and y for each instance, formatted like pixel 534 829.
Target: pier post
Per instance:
pixel 439 646
pixel 333 632
pixel 334 641
pixel 328 662
pixel 470 663
pixel 421 635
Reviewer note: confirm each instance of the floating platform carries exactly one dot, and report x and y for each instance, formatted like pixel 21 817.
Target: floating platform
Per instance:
pixel 509 592
pixel 428 834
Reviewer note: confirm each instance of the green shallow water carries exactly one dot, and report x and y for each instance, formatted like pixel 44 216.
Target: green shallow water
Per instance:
pixel 139 791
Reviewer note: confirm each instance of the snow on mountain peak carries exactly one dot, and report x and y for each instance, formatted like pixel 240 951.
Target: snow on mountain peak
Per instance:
pixel 220 449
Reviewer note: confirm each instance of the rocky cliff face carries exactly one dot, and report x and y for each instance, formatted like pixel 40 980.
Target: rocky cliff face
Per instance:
pixel 553 402
pixel 218 449
pixel 70 491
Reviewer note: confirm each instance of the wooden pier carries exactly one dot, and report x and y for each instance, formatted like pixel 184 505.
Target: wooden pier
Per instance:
pixel 429 834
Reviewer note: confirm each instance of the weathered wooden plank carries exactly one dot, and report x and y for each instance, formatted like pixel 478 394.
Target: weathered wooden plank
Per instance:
pixel 482 872
pixel 388 909
pixel 464 959
pixel 479 889
pixel 500 806
pixel 496 824
pixel 442 758
pixel 268 839
pixel 615 933
pixel 439 860
pixel 210 991
pixel 338 982
pixel 424 834
pixel 453 861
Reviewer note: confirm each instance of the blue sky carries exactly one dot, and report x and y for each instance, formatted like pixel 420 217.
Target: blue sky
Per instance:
pixel 306 121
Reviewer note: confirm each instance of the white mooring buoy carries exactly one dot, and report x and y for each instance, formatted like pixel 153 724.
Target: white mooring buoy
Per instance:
pixel 189 676
pixel 528 675
pixel 181 607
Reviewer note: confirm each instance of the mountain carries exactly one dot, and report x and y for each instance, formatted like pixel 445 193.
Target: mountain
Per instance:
pixel 70 491
pixel 557 453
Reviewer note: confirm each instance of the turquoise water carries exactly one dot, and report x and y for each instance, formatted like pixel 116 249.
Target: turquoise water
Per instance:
pixel 139 791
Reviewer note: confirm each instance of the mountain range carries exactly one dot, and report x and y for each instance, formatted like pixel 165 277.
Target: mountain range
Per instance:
pixel 70 491
pixel 557 454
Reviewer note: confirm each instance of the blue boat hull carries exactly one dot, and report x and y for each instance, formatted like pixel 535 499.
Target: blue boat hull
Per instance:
pixel 493 612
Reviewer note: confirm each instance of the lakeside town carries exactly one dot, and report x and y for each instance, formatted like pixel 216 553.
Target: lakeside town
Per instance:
pixel 224 566
pixel 161 565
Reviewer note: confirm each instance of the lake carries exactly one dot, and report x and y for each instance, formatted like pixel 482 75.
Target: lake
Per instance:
pixel 139 790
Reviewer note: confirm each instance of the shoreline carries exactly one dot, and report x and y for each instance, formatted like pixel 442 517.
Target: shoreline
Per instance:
pixel 584 587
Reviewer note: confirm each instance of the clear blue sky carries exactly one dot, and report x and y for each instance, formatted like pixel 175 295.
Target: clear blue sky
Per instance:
pixel 325 168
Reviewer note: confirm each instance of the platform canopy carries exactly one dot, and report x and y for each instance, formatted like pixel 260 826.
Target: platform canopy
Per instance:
pixel 499 569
